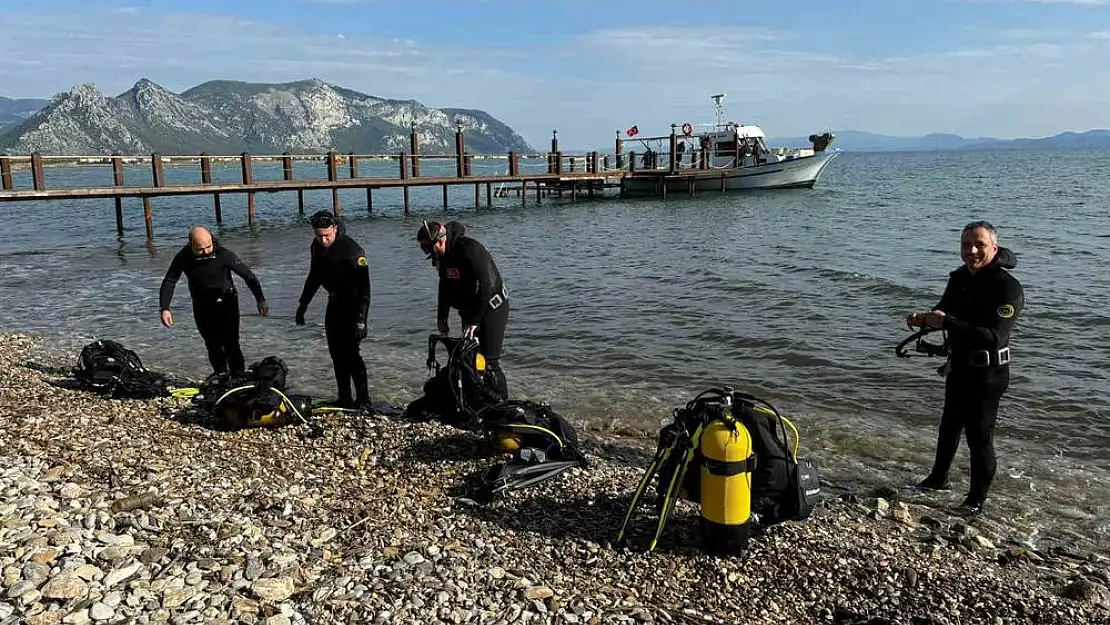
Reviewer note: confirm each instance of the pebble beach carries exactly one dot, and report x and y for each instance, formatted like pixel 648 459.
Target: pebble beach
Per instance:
pixel 113 511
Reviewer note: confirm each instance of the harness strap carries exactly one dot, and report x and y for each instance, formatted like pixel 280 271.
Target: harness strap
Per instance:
pixel 729 469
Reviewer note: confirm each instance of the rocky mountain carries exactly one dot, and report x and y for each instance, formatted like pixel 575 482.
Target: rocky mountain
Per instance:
pixel 229 117
pixel 15 111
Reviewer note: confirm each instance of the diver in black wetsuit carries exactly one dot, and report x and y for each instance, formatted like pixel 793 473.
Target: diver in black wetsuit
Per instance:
pixel 979 307
pixel 469 282
pixel 339 264
pixel 208 266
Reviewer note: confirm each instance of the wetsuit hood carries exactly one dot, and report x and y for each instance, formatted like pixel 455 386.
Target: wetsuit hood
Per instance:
pixel 1005 258
pixel 455 231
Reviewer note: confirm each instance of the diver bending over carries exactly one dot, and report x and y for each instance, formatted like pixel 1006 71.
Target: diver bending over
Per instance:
pixel 469 282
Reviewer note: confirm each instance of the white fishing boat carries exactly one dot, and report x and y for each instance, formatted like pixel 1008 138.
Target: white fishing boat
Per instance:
pixel 721 157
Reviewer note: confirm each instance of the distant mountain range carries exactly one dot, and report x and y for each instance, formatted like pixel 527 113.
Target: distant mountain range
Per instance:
pixel 230 117
pixel 15 111
pixel 858 141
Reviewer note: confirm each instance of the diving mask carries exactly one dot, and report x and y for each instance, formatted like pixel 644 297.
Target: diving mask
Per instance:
pixel 428 244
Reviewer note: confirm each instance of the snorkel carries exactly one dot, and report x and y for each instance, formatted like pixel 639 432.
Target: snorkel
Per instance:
pixel 428 239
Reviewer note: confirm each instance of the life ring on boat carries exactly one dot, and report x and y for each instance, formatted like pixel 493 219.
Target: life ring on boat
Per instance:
pixel 687 129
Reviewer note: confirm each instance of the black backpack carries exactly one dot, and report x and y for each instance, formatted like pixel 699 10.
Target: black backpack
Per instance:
pixel 270 371
pixel 784 487
pixel 457 392
pixel 109 369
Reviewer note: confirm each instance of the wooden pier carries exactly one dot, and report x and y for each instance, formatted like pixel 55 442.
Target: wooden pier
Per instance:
pixel 573 174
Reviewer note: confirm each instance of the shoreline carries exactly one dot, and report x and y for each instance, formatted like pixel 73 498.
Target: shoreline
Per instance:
pixel 265 526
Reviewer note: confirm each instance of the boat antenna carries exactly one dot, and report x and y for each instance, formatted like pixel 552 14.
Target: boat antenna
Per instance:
pixel 717 98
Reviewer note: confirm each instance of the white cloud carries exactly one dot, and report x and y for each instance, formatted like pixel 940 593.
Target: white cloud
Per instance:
pixel 1008 84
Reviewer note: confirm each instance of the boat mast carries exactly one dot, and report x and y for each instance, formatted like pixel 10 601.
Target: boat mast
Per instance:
pixel 717 98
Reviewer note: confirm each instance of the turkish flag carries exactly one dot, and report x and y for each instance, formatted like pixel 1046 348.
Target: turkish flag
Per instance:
pixel 632 132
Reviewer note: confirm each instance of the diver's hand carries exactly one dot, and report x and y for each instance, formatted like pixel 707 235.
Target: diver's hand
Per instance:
pixel 468 332
pixel 167 318
pixel 914 321
pixel 263 308
pixel 934 319
pixel 360 331
pixel 444 328
pixel 299 318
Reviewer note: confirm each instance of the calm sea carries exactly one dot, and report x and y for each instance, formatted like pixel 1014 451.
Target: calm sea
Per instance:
pixel 623 310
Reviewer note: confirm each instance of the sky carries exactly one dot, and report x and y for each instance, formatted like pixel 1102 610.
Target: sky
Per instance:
pixel 978 68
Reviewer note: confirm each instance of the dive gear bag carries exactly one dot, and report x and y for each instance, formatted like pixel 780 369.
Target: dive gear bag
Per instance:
pixel 108 368
pixel 455 392
pixel 542 443
pixel 260 405
pixel 778 485
pixel 254 398
pixel 270 370
pixel 784 487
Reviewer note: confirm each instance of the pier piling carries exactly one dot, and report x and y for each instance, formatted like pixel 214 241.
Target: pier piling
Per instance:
pixel 5 173
pixel 248 178
pixel 117 180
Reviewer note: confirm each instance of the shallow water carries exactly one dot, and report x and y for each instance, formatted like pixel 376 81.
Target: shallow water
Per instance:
pixel 623 310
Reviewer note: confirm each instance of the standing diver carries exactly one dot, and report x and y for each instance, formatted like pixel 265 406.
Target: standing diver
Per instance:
pixel 207 266
pixel 338 263
pixel 979 307
pixel 469 282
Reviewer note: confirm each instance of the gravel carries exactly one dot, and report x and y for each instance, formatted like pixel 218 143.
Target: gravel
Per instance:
pixel 111 511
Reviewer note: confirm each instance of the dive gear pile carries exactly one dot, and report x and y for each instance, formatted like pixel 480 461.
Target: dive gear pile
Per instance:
pixel 723 450
pixel 540 440
pixel 253 399
pixel 542 443
pixel 111 370
pixel 455 393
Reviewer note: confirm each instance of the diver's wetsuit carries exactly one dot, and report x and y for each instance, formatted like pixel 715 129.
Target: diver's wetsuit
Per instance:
pixel 215 300
pixel 343 271
pixel 469 282
pixel 980 310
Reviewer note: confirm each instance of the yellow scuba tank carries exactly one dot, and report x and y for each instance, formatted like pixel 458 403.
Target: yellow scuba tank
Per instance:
pixel 278 417
pixel 726 483
pixel 251 406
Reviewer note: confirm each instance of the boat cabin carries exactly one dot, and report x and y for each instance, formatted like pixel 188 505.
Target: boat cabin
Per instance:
pixel 735 145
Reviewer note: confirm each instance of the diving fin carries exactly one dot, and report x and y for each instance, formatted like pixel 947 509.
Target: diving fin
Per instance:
pixel 186 392
pixel 515 475
pixel 671 494
pixel 660 458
